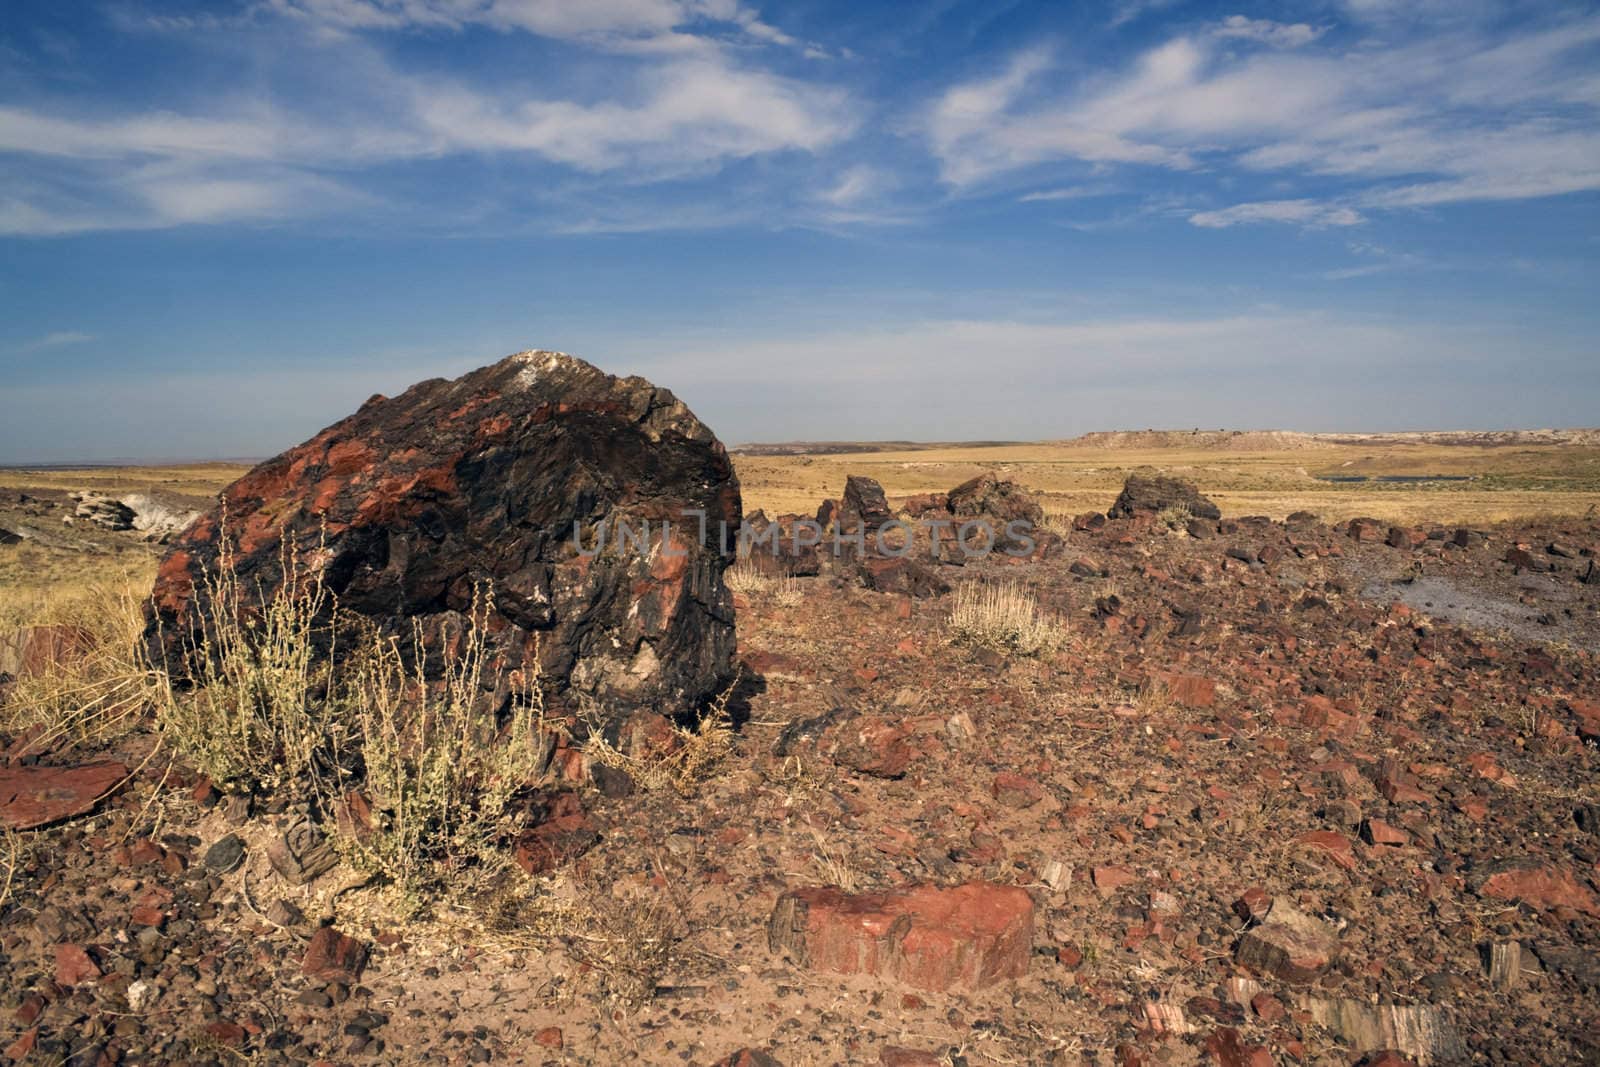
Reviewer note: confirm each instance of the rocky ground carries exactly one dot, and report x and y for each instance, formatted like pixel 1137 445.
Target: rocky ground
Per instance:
pixel 1267 803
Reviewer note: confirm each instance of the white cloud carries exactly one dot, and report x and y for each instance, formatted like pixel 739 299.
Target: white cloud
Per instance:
pixel 975 135
pixel 1067 192
pixel 654 24
pixel 1453 116
pixel 690 112
pixel 1265 31
pixel 243 156
pixel 855 185
pixel 1131 10
pixel 1309 213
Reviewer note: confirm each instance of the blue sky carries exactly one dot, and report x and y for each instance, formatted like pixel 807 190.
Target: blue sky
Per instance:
pixel 224 225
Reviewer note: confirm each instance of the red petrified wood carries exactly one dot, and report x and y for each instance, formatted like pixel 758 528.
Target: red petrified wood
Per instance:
pixel 37 796
pixel 967 937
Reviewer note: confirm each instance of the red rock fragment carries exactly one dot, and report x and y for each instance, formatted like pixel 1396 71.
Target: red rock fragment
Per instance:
pixel 748 1057
pixel 334 957
pixel 1378 832
pixel 1290 945
pixel 1332 844
pixel 1228 1049
pixel 895 1056
pixel 1016 791
pixel 929 937
pixel 1268 1008
pixel 74 966
pixel 19 1049
pixel 1191 690
pixel 229 1035
pixel 1109 879
pixel 1253 904
pixel 550 1037
pixel 1542 886
pixel 37 796
pixel 565 834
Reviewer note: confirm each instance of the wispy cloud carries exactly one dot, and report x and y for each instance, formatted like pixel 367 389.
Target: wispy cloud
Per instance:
pixel 1265 31
pixel 1308 213
pixel 664 96
pixel 58 339
pixel 656 23
pixel 1462 115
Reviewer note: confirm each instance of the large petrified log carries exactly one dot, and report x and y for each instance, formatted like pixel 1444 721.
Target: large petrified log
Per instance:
pixel 514 480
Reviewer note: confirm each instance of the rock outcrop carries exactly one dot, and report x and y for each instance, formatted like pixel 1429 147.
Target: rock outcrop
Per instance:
pixel 1157 492
pixel 990 496
pixel 865 503
pixel 515 481
pixel 103 511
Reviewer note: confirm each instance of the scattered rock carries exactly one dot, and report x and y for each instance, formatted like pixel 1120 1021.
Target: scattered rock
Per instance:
pixel 967 937
pixel 1016 791
pixel 748 1057
pixel 226 854
pixel 75 966
pixel 564 834
pixel 1538 885
pixel 302 854
pixel 900 574
pixel 158 521
pixel 1418 1030
pixel 334 957
pixel 1289 945
pixel 1228 1049
pixel 103 511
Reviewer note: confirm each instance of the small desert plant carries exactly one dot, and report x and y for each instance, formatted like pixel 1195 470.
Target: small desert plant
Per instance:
pixel 439 768
pixel 255 714
pixel 1001 616
pixel 688 757
pixel 1175 517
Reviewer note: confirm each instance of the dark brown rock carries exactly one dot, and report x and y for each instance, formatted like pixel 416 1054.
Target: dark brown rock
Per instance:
pixel 409 507
pixel 864 502
pixel 1157 492
pixel 990 496
pixel 900 574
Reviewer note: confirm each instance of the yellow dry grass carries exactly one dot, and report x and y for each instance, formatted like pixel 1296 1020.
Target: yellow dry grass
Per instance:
pixel 189 479
pixel 1507 482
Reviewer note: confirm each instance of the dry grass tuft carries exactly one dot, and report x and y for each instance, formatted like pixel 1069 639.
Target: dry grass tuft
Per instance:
pixel 1002 616
pixel 745 577
pixel 99 686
